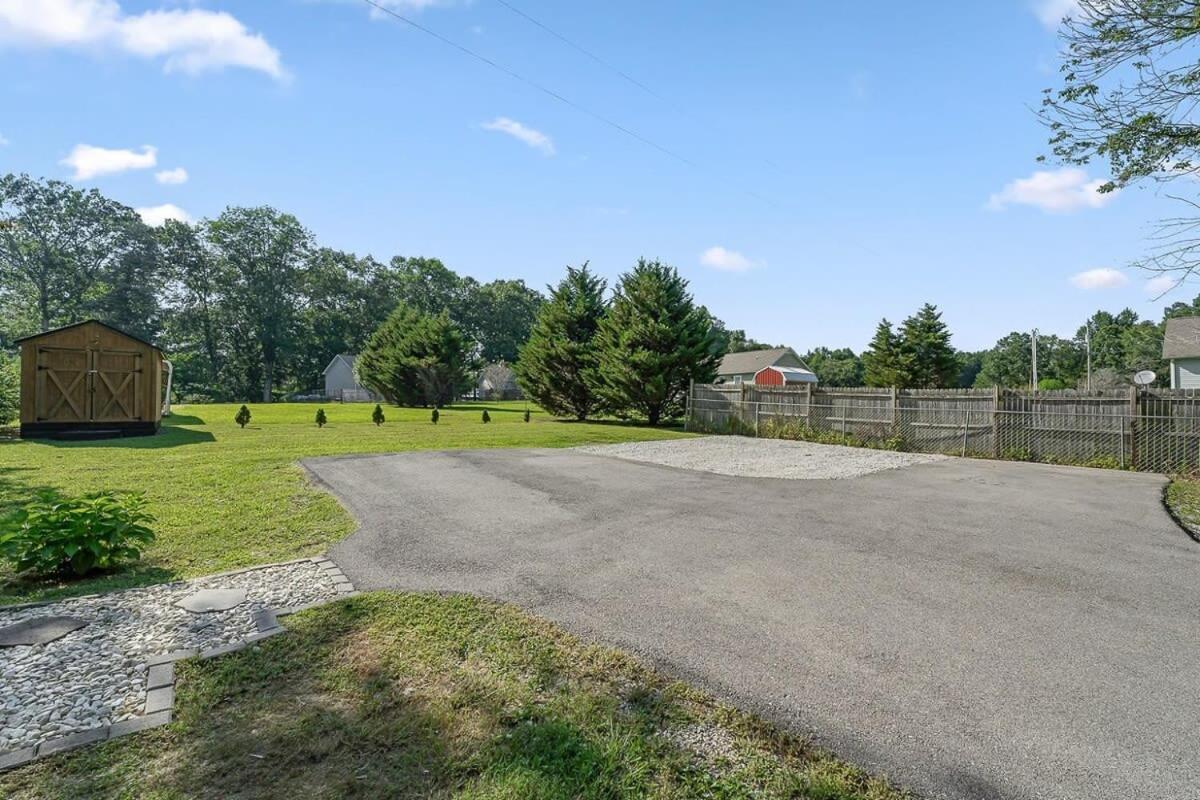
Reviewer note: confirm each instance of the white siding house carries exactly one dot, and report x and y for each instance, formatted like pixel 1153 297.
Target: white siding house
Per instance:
pixel 1181 346
pixel 340 382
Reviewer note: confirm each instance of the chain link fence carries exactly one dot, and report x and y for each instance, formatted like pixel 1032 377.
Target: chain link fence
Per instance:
pixel 1155 431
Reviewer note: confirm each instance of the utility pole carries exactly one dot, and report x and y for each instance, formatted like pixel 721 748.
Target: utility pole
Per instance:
pixel 1034 347
pixel 1087 341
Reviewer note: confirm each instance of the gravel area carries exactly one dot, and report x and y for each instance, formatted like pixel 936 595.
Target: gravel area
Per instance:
pixel 97 675
pixel 744 456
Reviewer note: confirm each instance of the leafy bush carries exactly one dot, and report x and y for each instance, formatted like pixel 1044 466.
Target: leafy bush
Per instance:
pixel 243 416
pixel 377 415
pixel 75 535
pixel 434 416
pixel 486 417
pixel 10 389
pixel 321 419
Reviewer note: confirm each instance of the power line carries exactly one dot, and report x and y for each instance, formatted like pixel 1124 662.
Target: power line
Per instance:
pixel 543 89
pixel 634 81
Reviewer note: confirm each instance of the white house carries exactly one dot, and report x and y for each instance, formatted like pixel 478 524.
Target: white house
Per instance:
pixel 340 382
pixel 1181 346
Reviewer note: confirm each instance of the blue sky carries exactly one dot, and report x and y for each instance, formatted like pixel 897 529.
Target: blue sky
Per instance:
pixel 848 161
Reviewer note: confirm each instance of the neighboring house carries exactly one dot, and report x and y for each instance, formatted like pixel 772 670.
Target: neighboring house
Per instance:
pixel 1181 346
pixel 340 382
pixel 498 382
pixel 742 367
pixel 783 376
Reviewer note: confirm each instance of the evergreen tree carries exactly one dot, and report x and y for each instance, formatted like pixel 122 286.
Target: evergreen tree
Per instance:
pixel 557 365
pixel 415 359
pixel 321 420
pixel 433 417
pixel 242 417
pixel 927 357
pixel 377 415
pixel 486 417
pixel 882 361
pixel 652 343
pixel 527 415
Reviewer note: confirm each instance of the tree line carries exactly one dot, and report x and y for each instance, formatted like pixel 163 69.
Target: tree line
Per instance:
pixel 247 304
pixel 919 354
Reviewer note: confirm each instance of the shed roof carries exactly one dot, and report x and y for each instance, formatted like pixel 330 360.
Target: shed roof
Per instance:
pixel 1182 338
pixel 88 322
pixel 792 374
pixel 753 360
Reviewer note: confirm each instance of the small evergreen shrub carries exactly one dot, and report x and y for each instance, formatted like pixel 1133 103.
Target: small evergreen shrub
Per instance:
pixel 486 417
pixel 243 416
pixel 377 415
pixel 321 419
pixel 434 416
pixel 55 535
pixel 527 415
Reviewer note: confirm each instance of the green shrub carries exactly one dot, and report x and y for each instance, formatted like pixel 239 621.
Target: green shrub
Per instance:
pixel 377 415
pixel 486 417
pixel 243 416
pixel 10 389
pixel 527 415
pixel 321 419
pixel 75 535
pixel 434 416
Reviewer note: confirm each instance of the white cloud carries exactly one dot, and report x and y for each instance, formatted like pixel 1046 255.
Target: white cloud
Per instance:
pixel 1052 12
pixel 1060 190
pixel 1161 284
pixel 725 260
pixel 188 40
pixel 157 215
pixel 89 161
pixel 534 138
pixel 172 176
pixel 1100 278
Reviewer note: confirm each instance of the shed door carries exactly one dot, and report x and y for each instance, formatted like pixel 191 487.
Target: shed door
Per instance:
pixel 116 385
pixel 62 385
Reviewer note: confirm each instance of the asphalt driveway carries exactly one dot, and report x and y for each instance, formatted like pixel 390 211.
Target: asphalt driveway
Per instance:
pixel 972 629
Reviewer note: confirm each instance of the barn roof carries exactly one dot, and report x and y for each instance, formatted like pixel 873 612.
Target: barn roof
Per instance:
pixel 89 322
pixel 1182 338
pixel 347 357
pixel 792 374
pixel 752 360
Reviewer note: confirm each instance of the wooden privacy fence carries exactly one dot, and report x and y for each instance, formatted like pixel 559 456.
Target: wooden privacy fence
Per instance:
pixel 1156 430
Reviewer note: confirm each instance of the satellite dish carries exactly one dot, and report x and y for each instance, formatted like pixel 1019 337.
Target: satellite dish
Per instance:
pixel 1144 378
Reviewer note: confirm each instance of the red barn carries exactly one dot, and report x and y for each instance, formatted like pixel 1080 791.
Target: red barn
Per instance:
pixel 783 376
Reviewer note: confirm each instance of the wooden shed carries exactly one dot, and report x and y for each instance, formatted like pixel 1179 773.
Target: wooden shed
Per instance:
pixel 783 376
pixel 89 380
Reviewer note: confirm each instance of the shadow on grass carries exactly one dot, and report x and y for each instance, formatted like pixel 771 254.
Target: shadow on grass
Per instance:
pixel 168 436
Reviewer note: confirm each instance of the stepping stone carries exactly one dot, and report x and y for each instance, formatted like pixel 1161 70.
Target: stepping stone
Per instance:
pixel 213 600
pixel 39 630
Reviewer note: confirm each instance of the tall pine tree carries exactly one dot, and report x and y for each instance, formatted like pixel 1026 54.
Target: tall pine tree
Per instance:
pixel 652 343
pixel 927 356
pixel 557 364
pixel 881 360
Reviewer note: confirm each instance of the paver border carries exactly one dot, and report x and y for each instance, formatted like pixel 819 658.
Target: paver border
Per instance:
pixel 160 674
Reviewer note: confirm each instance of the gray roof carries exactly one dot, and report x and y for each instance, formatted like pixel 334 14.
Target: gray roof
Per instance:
pixel 1182 338
pixel 752 360
pixel 347 357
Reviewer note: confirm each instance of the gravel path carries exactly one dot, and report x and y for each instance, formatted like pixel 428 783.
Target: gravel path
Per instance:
pixel 763 458
pixel 97 675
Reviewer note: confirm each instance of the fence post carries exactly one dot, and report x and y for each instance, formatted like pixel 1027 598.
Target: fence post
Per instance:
pixel 996 422
pixel 966 427
pixel 895 414
pixel 1122 460
pixel 757 406
pixel 1133 416
pixel 687 417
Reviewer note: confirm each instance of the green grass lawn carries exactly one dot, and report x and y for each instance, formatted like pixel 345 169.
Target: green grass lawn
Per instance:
pixel 225 497
pixel 425 696
pixel 1183 498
